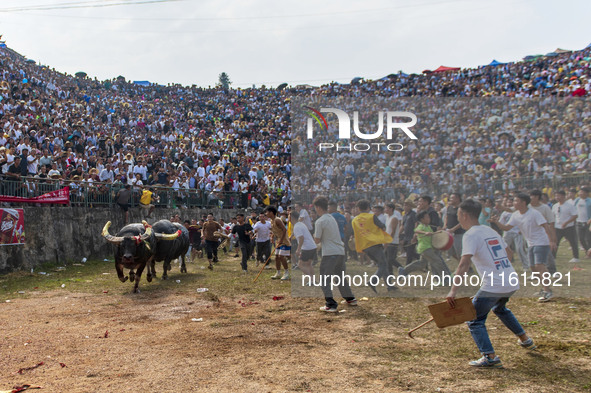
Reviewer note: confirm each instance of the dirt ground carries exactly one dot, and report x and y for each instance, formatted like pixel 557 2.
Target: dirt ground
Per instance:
pixel 123 342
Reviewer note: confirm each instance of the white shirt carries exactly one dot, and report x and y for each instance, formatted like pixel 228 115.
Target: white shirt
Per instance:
pixel 488 253
pixel 546 212
pixel 530 225
pixel 582 210
pixel 300 230
pixel 394 232
pixel 327 230
pixel 305 217
pixel 563 213
pixel 263 231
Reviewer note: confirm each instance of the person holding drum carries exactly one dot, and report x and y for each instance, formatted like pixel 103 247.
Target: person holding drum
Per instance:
pixel 429 257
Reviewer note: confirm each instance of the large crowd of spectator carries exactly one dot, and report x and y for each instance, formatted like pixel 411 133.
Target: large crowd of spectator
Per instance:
pixel 215 141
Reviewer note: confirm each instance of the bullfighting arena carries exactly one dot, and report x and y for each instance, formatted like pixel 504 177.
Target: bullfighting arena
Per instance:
pixel 79 329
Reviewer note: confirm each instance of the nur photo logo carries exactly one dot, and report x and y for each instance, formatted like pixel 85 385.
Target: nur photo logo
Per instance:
pixel 394 123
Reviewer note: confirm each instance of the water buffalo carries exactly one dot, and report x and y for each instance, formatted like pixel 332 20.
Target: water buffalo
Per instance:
pixel 168 250
pixel 135 248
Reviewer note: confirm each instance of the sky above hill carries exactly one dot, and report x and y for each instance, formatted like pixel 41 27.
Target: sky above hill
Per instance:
pixel 271 42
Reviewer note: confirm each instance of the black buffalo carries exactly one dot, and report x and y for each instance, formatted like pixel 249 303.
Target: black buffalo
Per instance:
pixel 135 249
pixel 168 250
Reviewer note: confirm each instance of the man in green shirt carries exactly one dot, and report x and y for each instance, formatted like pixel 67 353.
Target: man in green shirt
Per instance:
pixel 429 257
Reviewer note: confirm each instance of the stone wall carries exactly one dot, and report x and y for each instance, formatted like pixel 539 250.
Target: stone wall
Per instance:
pixel 62 234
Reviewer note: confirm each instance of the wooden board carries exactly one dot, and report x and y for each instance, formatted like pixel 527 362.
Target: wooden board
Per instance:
pixel 445 316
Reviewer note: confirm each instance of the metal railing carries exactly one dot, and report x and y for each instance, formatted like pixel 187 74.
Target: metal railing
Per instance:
pixel 85 194
pixel 539 182
pixel 487 188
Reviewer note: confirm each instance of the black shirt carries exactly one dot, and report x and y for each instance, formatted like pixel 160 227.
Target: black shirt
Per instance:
pixel 241 231
pixel 452 220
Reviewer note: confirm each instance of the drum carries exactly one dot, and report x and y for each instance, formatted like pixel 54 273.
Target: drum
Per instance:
pixel 218 235
pixel 442 241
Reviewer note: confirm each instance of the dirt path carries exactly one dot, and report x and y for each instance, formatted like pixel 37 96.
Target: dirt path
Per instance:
pixel 249 345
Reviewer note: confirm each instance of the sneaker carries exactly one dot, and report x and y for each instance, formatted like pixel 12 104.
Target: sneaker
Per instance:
pixel 574 260
pixel 328 309
pixel 351 303
pixel 546 297
pixel 277 276
pixel 244 271
pixel 486 362
pixel 210 267
pixel 527 344
pixel 285 276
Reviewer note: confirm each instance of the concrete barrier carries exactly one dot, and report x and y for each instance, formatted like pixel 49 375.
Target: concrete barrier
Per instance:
pixel 63 234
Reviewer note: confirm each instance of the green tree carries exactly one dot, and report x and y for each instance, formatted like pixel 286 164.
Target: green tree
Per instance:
pixel 224 81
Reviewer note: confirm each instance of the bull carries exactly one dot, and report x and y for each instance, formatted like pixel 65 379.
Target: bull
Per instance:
pixel 135 249
pixel 167 251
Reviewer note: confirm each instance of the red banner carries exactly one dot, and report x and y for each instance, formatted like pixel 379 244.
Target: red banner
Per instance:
pixel 12 226
pixel 59 197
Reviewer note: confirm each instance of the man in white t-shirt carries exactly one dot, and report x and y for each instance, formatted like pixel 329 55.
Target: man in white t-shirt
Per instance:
pixel 546 211
pixel 565 215
pixel 513 237
pixel 262 231
pixel 306 249
pixel 583 205
pixel 304 216
pixel 484 247
pixel 393 224
pixel 540 240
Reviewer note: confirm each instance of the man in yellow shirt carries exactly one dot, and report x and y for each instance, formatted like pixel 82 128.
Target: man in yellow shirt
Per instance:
pixel 146 206
pixel 370 237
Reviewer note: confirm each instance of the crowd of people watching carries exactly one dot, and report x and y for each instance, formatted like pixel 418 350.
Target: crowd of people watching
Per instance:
pixel 234 146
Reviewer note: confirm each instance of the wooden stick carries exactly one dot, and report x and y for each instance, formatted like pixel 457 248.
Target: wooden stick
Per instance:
pixel 263 268
pixel 418 327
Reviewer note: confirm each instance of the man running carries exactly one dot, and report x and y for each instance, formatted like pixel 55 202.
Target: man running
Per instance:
pixel 211 242
pixel 370 236
pixel 326 232
pixel 243 230
pixel 282 244
pixel 536 231
pixel 484 247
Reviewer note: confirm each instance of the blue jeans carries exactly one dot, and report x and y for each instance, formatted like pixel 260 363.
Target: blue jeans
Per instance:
pixel 484 302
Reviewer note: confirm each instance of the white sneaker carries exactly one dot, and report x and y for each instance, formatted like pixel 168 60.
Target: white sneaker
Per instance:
pixel 277 276
pixel 575 260
pixel 546 297
pixel 285 276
